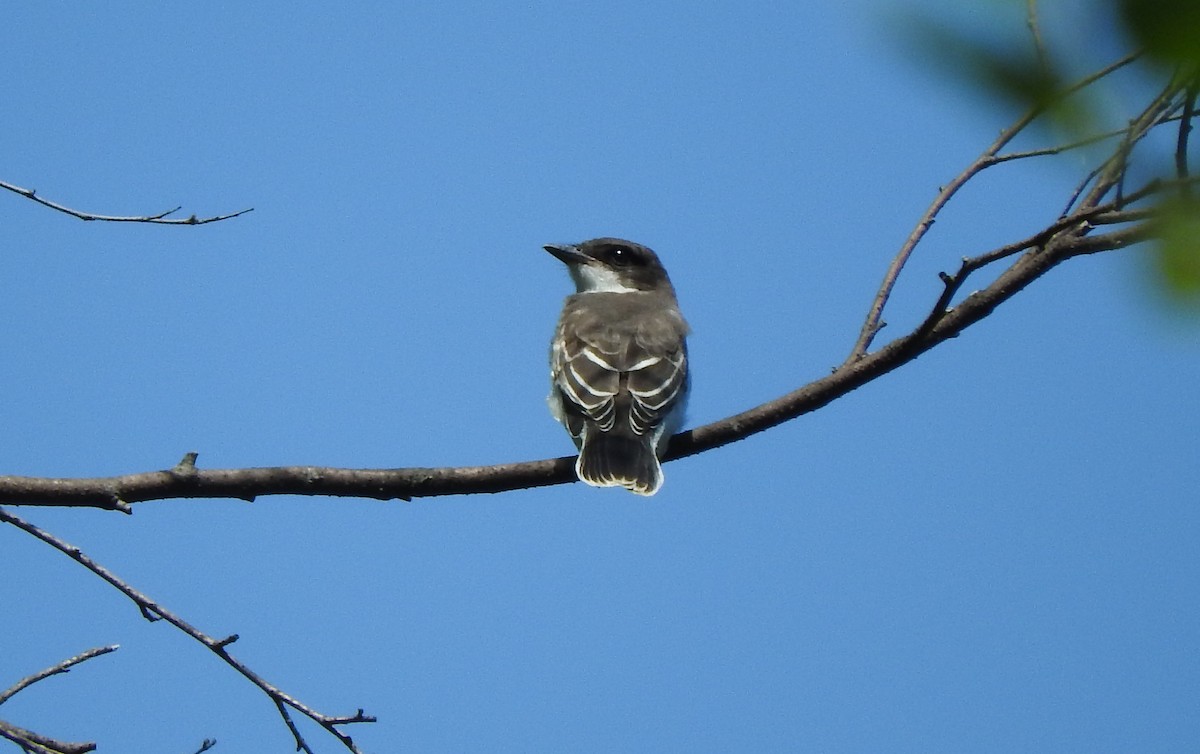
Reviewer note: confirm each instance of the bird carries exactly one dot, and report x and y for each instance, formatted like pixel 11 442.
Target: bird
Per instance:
pixel 618 363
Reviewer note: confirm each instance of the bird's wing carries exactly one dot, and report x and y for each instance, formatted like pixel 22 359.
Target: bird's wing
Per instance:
pixel 598 381
pixel 654 384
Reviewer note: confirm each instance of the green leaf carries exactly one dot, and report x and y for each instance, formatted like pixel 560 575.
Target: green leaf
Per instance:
pixel 1178 249
pixel 1168 30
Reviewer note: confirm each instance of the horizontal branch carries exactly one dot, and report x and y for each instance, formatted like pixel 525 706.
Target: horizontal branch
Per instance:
pixel 185 480
pixel 162 218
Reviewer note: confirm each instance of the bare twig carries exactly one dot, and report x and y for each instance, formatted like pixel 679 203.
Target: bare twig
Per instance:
pixel 1112 173
pixel 1185 129
pixel 989 157
pixel 1035 31
pixel 30 741
pixel 35 743
pixel 149 607
pixel 205 745
pixel 162 218
pixel 874 322
pixel 62 667
pixel 1067 147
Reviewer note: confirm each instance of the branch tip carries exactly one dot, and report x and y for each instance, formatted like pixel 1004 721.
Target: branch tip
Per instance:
pixel 162 218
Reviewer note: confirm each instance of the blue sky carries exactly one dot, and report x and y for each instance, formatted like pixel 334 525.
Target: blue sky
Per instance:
pixel 991 549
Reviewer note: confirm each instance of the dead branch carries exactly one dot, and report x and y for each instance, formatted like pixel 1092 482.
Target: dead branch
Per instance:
pixel 62 667
pixel 153 611
pixel 162 218
pixel 35 742
pixel 989 158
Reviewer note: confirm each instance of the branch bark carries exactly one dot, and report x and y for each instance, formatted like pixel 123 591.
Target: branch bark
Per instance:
pixel 36 743
pixel 1099 201
pixel 30 741
pixel 185 480
pixel 153 611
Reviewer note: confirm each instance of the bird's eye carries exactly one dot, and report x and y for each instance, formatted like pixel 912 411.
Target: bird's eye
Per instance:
pixel 620 256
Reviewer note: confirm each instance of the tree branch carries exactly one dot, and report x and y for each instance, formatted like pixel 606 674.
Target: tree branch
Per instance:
pixel 153 611
pixel 1067 236
pixel 1035 31
pixel 1072 234
pixel 1185 129
pixel 119 492
pixel 62 667
pixel 30 741
pixel 990 157
pixel 36 743
pixel 162 218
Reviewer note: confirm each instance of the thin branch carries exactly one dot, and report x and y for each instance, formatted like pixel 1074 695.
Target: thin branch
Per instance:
pixel 162 218
pixel 205 745
pixel 62 667
pixel 30 741
pixel 1077 224
pixel 874 321
pixel 1112 172
pixel 1067 147
pixel 301 744
pixel 35 743
pixel 1185 129
pixel 989 157
pixel 149 607
pixel 1035 31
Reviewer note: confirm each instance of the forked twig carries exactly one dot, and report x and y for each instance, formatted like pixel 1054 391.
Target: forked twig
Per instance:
pixel 151 610
pixel 990 156
pixel 30 741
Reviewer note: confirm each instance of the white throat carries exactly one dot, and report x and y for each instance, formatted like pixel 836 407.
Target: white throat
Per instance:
pixel 590 278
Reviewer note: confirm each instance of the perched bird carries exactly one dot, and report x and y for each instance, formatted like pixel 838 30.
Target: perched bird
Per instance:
pixel 618 363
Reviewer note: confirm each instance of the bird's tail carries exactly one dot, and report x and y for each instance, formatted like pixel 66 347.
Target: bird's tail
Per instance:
pixel 612 460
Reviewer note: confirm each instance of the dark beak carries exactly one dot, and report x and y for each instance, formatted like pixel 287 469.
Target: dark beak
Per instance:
pixel 566 253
